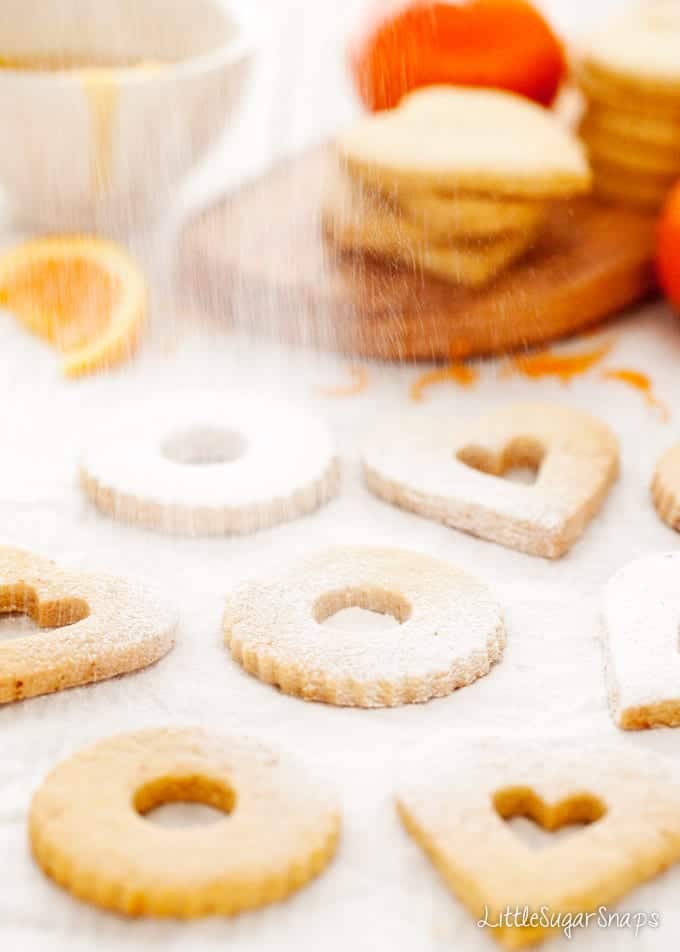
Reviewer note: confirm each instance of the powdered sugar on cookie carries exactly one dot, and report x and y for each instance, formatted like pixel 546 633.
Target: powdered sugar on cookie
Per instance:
pixel 640 622
pixel 211 465
pixel 103 626
pixel 451 630
pixel 447 470
pixel 456 810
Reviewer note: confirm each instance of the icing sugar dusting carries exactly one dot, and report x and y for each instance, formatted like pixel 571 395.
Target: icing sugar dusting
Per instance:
pixel 451 632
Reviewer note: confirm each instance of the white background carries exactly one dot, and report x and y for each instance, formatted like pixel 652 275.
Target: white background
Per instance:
pixel 380 893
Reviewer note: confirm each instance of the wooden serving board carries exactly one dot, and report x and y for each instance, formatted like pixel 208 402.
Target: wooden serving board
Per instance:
pixel 259 258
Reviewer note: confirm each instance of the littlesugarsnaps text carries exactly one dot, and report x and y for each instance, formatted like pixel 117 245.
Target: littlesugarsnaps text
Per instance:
pixel 524 917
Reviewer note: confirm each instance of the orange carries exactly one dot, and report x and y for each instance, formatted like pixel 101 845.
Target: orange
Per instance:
pixel 504 44
pixel 668 247
pixel 85 295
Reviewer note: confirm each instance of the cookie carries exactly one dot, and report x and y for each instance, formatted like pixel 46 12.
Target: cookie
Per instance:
pixel 102 626
pixel 360 223
pixel 470 139
pixel 666 487
pixel 477 216
pixel 457 808
pixel 641 607
pixel 448 470
pixel 651 130
pixel 622 186
pixel 451 629
pixel 611 94
pixel 88 833
pixel 638 50
pixel 210 464
pixel 627 154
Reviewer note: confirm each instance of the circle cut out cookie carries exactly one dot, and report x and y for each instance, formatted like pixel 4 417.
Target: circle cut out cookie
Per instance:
pixel 89 834
pixel 451 471
pixel 211 465
pixel 666 488
pixel 101 627
pixel 451 628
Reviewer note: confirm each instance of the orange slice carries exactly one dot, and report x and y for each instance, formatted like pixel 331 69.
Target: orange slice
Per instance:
pixel 86 296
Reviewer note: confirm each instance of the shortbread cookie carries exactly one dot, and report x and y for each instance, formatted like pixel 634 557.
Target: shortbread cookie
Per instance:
pixel 377 230
pixel 103 626
pixel 448 470
pixel 628 154
pixel 639 50
pixel 622 186
pixel 649 130
pixel 611 94
pixel 457 808
pixel 210 464
pixel 479 140
pixel 88 833
pixel 640 625
pixel 477 216
pixel 451 628
pixel 666 487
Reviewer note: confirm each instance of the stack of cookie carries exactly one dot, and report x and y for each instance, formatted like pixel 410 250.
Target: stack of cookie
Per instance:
pixel 630 75
pixel 455 182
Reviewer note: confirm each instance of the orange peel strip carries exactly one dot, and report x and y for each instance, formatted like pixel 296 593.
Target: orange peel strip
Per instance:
pixel 546 363
pixel 84 295
pixel 461 374
pixel 642 383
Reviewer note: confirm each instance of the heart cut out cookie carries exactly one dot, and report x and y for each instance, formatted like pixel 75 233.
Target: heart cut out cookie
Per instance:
pixel 101 627
pixel 449 471
pixel 451 630
pixel 88 831
pixel 211 464
pixel 666 487
pixel 457 812
pixel 640 615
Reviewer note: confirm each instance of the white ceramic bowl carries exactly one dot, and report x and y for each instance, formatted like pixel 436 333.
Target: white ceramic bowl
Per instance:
pixel 67 162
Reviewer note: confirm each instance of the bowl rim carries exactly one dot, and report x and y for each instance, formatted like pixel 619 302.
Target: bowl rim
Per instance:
pixel 239 48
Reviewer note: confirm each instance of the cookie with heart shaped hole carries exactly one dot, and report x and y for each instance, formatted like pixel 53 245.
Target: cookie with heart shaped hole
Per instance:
pixel 99 626
pixel 460 807
pixel 451 471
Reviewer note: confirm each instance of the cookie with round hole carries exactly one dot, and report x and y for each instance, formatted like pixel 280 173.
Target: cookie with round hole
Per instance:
pixel 665 487
pixel 640 611
pixel 451 630
pixel 210 464
pixel 458 810
pixel 450 471
pixel 99 627
pixel 88 833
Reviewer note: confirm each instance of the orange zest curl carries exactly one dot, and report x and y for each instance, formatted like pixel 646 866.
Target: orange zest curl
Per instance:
pixel 461 374
pixel 565 367
pixel 640 382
